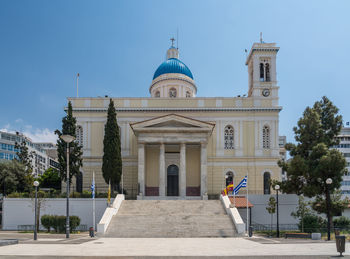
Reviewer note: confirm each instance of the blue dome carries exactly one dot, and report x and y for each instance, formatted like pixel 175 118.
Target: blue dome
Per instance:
pixel 173 65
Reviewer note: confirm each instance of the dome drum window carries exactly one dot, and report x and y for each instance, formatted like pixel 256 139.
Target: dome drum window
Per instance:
pixel 229 137
pixel 172 93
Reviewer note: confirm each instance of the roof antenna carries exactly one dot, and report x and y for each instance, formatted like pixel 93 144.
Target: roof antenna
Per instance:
pixel 78 85
pixel 177 37
pixel 261 39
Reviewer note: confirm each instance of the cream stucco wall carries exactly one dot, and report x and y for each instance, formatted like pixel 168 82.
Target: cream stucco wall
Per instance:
pixel 247 124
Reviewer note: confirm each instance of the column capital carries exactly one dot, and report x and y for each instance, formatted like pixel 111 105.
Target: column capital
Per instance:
pixel 203 143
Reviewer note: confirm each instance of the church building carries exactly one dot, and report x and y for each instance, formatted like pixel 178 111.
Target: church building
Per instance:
pixel 179 146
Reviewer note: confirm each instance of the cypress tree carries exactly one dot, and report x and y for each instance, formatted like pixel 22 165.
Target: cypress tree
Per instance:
pixel 112 161
pixel 75 152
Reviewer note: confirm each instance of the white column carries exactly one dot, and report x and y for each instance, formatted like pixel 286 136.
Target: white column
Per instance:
pixel 203 169
pixel 162 170
pixel 141 168
pixel 183 170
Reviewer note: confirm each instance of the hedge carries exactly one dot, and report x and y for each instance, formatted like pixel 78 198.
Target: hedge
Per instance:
pixel 58 223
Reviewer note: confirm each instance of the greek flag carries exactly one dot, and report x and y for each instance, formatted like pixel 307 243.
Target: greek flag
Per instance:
pixel 243 184
pixel 93 188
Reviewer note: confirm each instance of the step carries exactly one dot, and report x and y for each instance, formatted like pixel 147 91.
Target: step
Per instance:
pixel 174 218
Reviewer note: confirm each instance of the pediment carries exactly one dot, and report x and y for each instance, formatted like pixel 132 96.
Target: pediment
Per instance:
pixel 172 122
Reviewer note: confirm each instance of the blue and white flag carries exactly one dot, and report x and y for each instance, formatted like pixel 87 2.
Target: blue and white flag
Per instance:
pixel 242 184
pixel 93 188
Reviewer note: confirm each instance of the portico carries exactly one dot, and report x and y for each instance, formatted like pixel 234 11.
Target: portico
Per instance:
pixel 172 157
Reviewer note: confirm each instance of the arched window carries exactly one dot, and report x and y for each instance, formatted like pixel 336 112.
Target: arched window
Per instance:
pixel 79 134
pixel 172 93
pixel 266 137
pixel 229 177
pixel 188 94
pixel 261 72
pixel 229 137
pixel 267 72
pixel 157 94
pixel 267 178
pixel 79 182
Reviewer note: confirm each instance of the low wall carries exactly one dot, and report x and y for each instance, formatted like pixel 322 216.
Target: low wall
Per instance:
pixel 20 211
pixel 259 215
pixel 234 214
pixel 109 213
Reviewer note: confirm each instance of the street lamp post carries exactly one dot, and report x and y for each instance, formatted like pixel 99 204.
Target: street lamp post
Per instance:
pixel 277 187
pixel 68 139
pixel 328 201
pixel 36 184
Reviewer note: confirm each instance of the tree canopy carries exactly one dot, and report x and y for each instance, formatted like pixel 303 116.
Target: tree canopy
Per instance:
pixel 75 153
pixel 15 178
pixel 112 162
pixel 24 156
pixel 50 179
pixel 312 158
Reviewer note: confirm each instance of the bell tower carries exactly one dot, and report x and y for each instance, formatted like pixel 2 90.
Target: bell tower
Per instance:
pixel 261 62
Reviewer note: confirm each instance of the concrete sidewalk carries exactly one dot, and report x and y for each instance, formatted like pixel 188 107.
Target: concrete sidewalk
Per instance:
pixel 173 247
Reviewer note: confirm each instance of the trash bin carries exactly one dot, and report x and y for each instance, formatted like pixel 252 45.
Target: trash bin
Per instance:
pixel 340 242
pixel 91 232
pixel 250 231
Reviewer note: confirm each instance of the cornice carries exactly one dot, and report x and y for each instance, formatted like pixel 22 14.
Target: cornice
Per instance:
pixel 171 109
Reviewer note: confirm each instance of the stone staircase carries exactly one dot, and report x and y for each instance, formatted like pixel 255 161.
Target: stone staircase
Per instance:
pixel 171 218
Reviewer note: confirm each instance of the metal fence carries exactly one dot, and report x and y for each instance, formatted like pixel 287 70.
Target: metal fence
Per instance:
pixel 81 227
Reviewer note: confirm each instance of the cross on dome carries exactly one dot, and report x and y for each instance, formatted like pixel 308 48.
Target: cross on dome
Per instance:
pixel 172 41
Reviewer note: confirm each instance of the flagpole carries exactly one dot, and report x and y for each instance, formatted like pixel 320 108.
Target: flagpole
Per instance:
pixel 122 183
pixel 78 85
pixel 234 195
pixel 93 202
pixel 109 194
pixel 247 221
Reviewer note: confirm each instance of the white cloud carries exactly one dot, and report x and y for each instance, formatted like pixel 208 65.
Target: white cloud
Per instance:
pixel 41 135
pixel 36 135
pixel 7 128
pixel 19 120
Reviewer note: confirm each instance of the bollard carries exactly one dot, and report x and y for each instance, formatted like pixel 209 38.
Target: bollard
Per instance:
pixel 340 243
pixel 250 234
pixel 91 232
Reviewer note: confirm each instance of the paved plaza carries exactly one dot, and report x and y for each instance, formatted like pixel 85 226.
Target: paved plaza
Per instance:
pixel 50 245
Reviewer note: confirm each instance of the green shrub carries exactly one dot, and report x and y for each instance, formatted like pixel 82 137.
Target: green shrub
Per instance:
pixel 46 221
pixel 342 222
pixel 61 223
pixel 58 223
pixel 86 194
pixel 74 222
pixel 313 223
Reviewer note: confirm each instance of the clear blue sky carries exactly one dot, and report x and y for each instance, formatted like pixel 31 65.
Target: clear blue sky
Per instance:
pixel 117 45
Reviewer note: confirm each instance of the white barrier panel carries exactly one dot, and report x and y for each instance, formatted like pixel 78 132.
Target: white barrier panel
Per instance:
pixel 109 213
pixel 20 211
